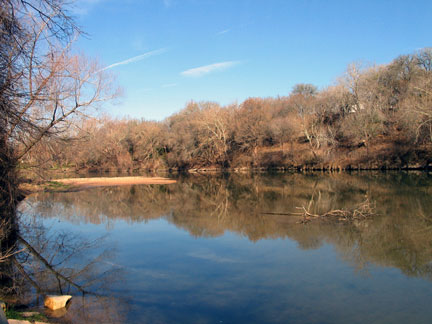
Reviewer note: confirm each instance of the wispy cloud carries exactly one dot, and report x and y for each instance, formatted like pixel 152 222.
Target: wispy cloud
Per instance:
pixel 223 32
pixel 135 59
pixel 206 69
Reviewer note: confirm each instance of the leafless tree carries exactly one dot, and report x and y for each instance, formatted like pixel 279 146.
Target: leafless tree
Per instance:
pixel 44 88
pixel 47 85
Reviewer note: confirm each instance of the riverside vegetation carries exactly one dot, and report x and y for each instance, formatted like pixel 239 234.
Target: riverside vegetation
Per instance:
pixel 373 117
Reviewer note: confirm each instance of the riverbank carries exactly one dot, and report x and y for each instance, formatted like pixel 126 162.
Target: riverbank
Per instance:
pixel 292 157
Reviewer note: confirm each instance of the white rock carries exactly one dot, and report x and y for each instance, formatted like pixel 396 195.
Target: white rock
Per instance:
pixel 56 302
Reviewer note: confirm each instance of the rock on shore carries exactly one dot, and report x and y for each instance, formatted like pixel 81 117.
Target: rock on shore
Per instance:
pixel 56 302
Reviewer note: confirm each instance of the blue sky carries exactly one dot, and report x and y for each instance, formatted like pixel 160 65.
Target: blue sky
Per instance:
pixel 168 52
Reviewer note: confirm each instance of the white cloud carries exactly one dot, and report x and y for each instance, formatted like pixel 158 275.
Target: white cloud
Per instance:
pixel 206 69
pixel 135 58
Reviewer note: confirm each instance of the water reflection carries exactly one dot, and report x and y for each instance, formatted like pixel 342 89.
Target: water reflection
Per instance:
pixel 47 261
pixel 254 207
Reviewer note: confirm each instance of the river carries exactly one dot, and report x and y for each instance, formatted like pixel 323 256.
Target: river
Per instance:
pixel 228 249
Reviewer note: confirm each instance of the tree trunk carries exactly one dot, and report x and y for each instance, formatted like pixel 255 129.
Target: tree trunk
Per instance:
pixel 8 225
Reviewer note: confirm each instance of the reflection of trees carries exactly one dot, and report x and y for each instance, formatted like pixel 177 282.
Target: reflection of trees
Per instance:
pixel 400 236
pixel 51 262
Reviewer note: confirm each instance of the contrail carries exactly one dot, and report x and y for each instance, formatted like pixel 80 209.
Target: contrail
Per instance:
pixel 135 59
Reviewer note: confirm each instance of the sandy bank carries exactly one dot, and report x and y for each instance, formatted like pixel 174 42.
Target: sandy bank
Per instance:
pixel 116 181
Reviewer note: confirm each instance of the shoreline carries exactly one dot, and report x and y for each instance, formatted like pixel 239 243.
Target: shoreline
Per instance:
pixel 128 172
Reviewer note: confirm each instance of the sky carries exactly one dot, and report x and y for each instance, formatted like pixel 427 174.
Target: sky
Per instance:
pixel 165 53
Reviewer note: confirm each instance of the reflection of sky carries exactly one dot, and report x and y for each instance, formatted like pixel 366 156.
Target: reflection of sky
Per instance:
pixel 172 277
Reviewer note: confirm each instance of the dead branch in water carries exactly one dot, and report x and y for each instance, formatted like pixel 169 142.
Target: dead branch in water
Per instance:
pixel 361 212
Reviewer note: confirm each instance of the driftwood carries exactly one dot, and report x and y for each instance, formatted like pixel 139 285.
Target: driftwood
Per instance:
pixel 365 210
pixel 361 212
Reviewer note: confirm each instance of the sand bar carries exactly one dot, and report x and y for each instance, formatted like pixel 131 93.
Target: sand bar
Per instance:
pixel 116 181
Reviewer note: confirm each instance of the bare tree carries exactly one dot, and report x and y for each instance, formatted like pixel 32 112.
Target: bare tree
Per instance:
pixel 50 86
pixel 252 126
pixel 44 88
pixel 213 123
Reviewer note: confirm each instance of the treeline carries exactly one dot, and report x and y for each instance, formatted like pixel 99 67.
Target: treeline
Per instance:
pixel 373 117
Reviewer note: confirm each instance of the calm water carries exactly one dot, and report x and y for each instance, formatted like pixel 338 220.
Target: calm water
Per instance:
pixel 214 249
